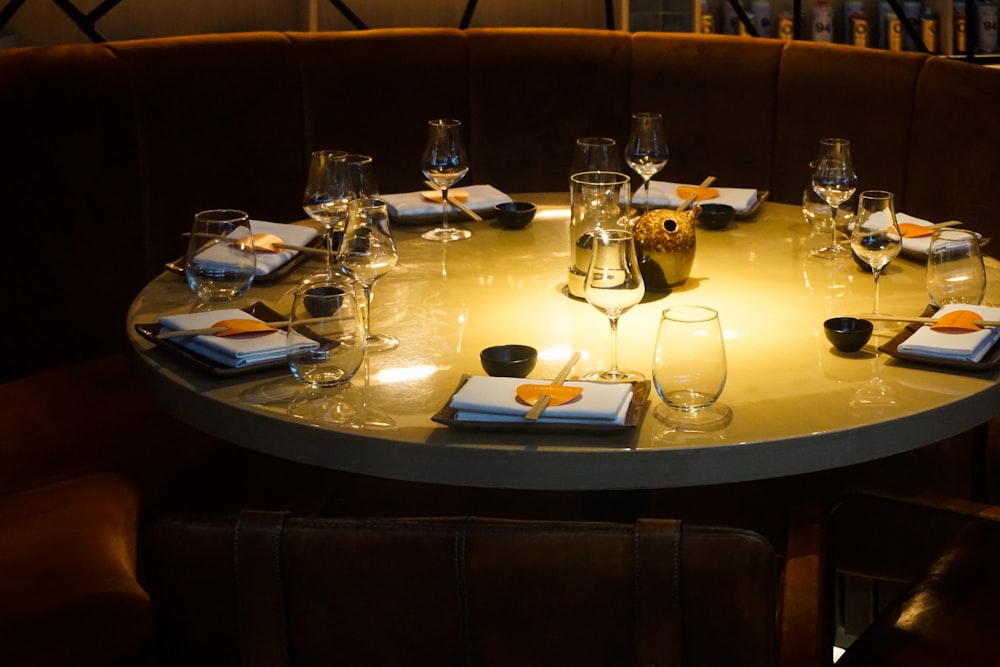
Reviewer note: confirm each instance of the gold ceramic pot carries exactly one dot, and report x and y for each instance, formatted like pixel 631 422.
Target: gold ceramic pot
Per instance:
pixel 665 243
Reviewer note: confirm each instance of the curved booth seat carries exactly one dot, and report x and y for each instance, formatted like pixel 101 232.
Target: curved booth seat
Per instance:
pixel 110 149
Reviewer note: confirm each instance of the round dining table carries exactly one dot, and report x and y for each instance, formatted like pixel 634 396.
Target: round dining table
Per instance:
pixel 796 404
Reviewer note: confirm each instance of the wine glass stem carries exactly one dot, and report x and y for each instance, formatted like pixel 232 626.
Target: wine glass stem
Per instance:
pixel 444 204
pixel 329 249
pixel 614 346
pixel 368 310
pixel 876 273
pixel 645 187
pixel 833 223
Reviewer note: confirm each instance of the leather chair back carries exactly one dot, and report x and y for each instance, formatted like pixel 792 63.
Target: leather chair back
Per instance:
pixel 271 589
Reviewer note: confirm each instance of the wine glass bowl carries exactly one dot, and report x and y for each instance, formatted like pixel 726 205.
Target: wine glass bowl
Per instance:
pixel 646 151
pixel 834 180
pixel 613 286
pixel 326 196
pixel 876 238
pixel 368 252
pixel 445 163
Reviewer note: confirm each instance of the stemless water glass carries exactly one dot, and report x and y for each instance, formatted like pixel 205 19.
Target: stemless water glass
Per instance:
pixel 613 285
pixel 445 162
pixel 595 154
pixel 326 196
pixel 689 368
pixel 368 252
pixel 955 269
pixel 876 238
pixel 646 151
pixel 835 181
pixel 220 261
pixel 326 334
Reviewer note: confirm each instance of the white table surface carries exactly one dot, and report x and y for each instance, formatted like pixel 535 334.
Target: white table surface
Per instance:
pixel 797 404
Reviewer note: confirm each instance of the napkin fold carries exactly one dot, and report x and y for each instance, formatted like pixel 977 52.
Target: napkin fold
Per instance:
pixel 484 398
pixel 268 261
pixel 969 346
pixel 920 245
pixel 415 204
pixel 664 194
pixel 226 350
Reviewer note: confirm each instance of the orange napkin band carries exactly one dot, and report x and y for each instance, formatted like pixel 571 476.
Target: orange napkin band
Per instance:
pixel 958 321
pixel 910 230
pixel 685 191
pixel 243 328
pixel 454 195
pixel 558 394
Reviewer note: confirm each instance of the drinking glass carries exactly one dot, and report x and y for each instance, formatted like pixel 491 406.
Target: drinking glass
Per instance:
pixel 955 269
pixel 597 200
pixel 816 211
pixel 613 285
pixel 594 154
pixel 445 163
pixel 326 196
pixel 361 181
pixel 326 334
pixel 646 151
pixel 220 261
pixel 368 252
pixel 876 238
pixel 689 368
pixel 834 180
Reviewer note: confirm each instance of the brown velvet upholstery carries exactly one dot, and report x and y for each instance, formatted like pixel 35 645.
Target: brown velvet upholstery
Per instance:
pixel 460 591
pixel 68 589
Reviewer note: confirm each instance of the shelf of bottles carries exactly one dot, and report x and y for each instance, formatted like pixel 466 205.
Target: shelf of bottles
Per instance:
pixel 943 27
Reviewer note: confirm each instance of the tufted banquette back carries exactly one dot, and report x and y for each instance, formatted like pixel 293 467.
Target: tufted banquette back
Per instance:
pixel 109 149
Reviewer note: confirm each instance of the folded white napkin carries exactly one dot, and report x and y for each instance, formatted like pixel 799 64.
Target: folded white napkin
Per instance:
pixel 664 194
pixel 414 204
pixel 267 261
pixel 484 398
pixel 968 346
pixel 922 244
pixel 226 350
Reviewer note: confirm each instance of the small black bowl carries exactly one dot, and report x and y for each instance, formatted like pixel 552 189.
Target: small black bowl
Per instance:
pixel 848 334
pixel 716 216
pixel 513 361
pixel 515 214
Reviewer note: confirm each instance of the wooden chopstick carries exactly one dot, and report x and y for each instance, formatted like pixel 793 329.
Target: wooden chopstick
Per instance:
pixel 922 320
pixel 536 410
pixel 694 195
pixel 468 211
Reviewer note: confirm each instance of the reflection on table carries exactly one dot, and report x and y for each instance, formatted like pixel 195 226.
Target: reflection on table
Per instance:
pixel 797 405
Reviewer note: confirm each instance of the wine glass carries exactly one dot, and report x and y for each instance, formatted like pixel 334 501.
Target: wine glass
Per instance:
pixel 220 262
pixel 834 180
pixel 325 344
pixel 689 369
pixel 646 151
pixel 326 196
pixel 361 181
pixel 955 269
pixel 613 285
pixel 445 163
pixel 368 252
pixel 876 238
pixel 594 154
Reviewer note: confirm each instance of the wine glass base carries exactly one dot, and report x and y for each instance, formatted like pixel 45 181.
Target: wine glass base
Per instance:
pixel 381 342
pixel 831 252
pixel 446 234
pixel 615 375
pixel 712 418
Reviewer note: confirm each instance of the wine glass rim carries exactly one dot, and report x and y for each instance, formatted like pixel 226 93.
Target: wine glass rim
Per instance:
pixel 876 194
pixel 676 313
pixel 647 114
pixel 835 141
pixel 330 153
pixel 613 233
pixel 220 215
pixel 598 177
pixel 445 122
pixel 595 141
